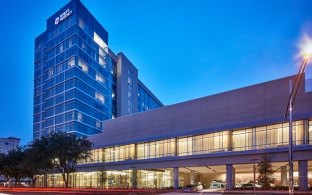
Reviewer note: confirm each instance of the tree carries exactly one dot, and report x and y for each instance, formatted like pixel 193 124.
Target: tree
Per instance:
pixel 103 176
pixel 66 150
pixel 12 165
pixel 266 173
pixel 36 159
pixel 1 162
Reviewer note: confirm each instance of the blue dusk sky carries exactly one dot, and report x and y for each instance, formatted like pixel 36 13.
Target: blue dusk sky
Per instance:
pixel 183 49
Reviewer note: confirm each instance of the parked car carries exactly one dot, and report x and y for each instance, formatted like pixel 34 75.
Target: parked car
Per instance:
pixel 217 184
pixel 193 187
pixel 250 185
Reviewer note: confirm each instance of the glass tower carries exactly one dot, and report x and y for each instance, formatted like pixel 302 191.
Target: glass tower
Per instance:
pixel 75 75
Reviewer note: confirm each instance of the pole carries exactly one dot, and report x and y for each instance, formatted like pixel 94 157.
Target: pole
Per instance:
pixel 293 92
pixel 291 165
pixel 254 175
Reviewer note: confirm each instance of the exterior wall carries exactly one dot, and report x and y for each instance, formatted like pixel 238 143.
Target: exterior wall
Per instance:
pixel 255 105
pixel 244 115
pixel 259 108
pixel 126 95
pixel 7 144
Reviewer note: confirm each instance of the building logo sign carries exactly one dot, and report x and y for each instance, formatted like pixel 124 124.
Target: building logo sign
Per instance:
pixel 63 16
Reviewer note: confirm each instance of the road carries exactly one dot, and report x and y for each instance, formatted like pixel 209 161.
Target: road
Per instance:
pixel 25 191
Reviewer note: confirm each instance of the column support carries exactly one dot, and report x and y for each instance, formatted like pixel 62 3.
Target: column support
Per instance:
pixel 192 177
pixel 303 175
pixel 175 178
pixel 134 177
pixel 229 177
pixel 284 175
pixel 306 131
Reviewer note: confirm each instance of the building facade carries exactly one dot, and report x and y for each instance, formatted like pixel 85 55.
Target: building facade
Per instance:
pixel 9 143
pixel 80 84
pixel 78 81
pixel 219 137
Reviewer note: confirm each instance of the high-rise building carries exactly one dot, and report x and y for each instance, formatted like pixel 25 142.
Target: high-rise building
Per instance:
pixel 78 80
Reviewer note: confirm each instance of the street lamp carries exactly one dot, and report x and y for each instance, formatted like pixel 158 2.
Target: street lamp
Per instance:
pixel 306 54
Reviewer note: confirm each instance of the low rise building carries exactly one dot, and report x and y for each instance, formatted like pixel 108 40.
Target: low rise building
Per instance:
pixel 218 137
pixel 9 143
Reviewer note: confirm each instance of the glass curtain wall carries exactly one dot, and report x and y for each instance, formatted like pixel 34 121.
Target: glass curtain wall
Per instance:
pixel 269 136
pixel 156 149
pixel 201 144
pixel 113 179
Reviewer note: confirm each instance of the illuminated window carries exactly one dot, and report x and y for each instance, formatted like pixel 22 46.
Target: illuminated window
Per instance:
pixel 81 23
pixel 79 117
pixel 99 97
pixel 71 62
pixel 101 61
pixel 50 73
pixel 83 66
pixel 99 78
pixel 101 52
pixel 99 41
pixel 98 124
pixel 60 48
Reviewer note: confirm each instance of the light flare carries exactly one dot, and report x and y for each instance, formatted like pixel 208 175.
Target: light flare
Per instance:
pixel 305 47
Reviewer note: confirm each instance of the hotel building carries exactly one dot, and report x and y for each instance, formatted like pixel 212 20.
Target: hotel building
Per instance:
pixel 218 137
pixel 78 80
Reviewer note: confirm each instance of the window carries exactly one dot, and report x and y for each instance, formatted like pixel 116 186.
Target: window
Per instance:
pixel 79 117
pixel 83 66
pixel 50 73
pixel 71 62
pixel 99 97
pixel 310 131
pixel 99 41
pixel 101 61
pixel 98 124
pixel 130 92
pixel 99 78
pixel 242 139
pixel 101 52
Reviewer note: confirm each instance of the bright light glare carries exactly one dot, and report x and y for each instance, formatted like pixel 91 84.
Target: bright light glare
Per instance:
pixel 305 47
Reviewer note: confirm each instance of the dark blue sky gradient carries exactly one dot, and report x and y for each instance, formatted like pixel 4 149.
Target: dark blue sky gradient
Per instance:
pixel 183 49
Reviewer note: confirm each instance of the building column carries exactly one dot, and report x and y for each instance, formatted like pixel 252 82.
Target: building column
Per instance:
pixel 254 139
pixel 303 175
pixel 175 178
pixel 306 132
pixel 230 141
pixel 192 177
pixel 284 175
pixel 134 178
pixel 229 176
pixel 176 147
pixel 233 177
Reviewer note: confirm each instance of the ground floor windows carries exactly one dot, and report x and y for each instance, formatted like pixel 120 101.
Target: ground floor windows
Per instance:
pixel 209 176
pixel 157 178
